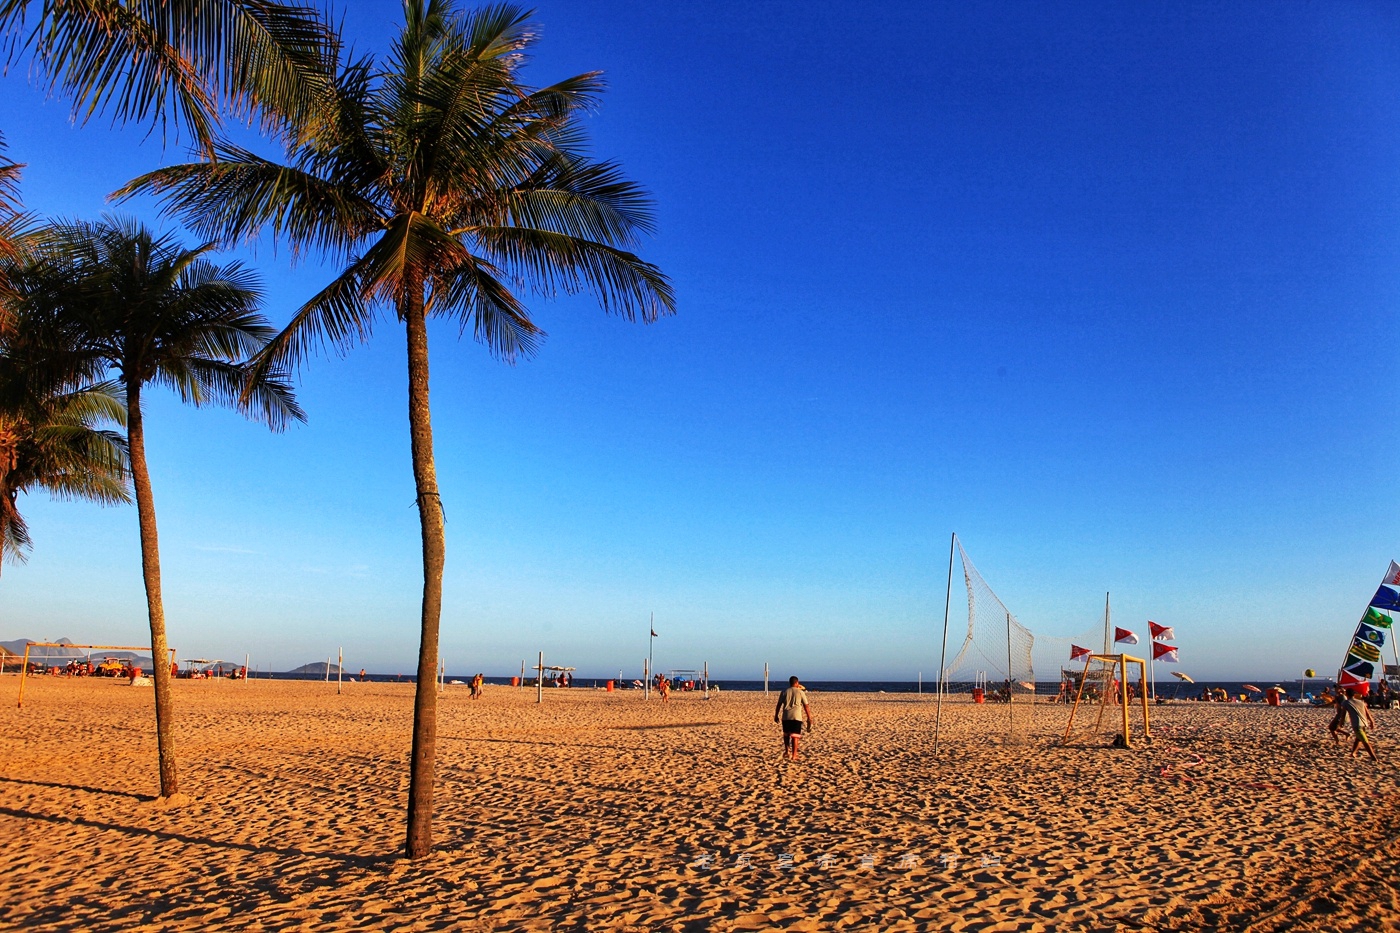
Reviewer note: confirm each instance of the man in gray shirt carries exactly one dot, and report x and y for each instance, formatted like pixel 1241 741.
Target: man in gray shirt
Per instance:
pixel 792 712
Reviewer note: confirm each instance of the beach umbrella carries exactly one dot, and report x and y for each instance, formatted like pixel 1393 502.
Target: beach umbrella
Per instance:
pixel 1184 677
pixel 1252 689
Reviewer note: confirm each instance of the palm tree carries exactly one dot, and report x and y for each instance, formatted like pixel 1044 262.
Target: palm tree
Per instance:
pixel 148 59
pixel 440 179
pixel 118 299
pixel 52 437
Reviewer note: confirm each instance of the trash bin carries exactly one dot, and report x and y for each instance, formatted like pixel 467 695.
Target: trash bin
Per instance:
pixel 610 686
pixel 979 695
pixel 515 681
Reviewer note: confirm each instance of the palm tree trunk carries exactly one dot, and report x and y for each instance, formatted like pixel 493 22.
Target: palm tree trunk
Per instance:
pixel 150 571
pixel 420 786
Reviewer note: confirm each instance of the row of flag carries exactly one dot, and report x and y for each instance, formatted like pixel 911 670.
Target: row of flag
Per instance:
pixel 1364 654
pixel 1160 650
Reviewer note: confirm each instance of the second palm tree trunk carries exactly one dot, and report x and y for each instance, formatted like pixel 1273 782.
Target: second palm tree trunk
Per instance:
pixel 150 571
pixel 420 786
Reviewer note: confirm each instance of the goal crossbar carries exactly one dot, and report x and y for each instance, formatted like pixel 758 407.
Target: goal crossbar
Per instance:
pixel 1121 662
pixel 24 666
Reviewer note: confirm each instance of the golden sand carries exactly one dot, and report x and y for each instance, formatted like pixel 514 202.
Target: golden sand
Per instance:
pixel 596 811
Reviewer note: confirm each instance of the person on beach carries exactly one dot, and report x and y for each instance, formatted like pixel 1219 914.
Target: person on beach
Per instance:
pixel 1359 713
pixel 664 686
pixel 793 712
pixel 476 686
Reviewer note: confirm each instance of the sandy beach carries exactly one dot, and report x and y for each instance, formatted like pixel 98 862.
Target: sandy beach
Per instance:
pixel 596 811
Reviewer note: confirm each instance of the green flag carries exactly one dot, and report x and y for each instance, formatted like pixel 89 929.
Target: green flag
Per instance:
pixel 1377 618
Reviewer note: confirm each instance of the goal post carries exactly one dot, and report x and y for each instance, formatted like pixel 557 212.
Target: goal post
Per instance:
pixel 24 665
pixel 1118 665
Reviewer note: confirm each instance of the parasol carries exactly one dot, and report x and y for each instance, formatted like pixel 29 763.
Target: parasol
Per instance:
pixel 1180 676
pixel 1251 688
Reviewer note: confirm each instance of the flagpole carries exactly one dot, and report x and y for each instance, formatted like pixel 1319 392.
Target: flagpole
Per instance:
pixel 1106 642
pixel 651 640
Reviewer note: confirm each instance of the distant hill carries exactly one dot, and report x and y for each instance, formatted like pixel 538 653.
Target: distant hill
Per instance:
pixel 17 646
pixel 319 668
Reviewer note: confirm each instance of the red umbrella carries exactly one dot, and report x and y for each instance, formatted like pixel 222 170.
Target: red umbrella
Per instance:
pixel 1252 688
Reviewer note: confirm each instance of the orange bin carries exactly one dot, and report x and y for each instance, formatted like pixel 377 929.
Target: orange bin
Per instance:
pixel 610 686
pixel 979 695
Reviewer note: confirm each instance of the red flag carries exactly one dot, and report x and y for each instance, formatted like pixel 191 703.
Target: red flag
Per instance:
pixel 1076 652
pixel 1165 653
pixel 1123 635
pixel 1163 632
pixel 1392 575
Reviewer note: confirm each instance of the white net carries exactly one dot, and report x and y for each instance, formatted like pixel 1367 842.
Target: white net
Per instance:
pixel 1015 683
pixel 993 664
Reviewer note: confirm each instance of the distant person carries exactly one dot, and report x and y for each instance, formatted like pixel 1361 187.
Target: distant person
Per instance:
pixel 664 686
pixel 1339 718
pixel 1361 719
pixel 476 686
pixel 793 713
pixel 363 676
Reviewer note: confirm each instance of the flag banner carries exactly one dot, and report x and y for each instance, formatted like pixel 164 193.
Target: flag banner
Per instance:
pixel 1162 632
pixel 1362 669
pixel 1076 652
pixel 1166 653
pixel 1364 652
pixel 1377 618
pixel 1374 635
pixel 1386 598
pixel 653 634
pixel 1359 684
pixel 1364 649
pixel 1125 636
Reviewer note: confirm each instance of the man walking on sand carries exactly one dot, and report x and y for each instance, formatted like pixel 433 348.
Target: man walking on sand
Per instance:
pixel 1361 719
pixel 792 711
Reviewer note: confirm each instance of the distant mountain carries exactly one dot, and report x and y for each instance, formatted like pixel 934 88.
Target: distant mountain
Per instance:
pixel 319 668
pixel 17 646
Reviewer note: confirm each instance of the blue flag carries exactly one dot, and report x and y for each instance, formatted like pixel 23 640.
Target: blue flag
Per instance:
pixel 1386 598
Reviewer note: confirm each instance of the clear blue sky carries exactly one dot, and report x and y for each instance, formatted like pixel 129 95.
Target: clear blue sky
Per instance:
pixel 1109 291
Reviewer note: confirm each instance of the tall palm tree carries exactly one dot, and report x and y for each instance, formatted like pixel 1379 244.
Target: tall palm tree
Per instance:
pixel 441 179
pixel 151 59
pixel 119 299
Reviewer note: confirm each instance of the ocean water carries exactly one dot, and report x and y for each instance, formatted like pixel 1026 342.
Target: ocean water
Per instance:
pixel 1168 689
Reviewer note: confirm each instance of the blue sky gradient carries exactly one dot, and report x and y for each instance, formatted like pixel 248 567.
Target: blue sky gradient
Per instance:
pixel 1108 291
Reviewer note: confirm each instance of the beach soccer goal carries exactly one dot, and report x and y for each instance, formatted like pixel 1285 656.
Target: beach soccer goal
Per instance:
pixel 1107 701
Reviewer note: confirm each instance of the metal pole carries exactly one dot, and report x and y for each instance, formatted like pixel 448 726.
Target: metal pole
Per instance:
pixel 646 679
pixel 328 670
pixel 943 657
pixel 651 642
pixel 705 678
pixel 539 680
pixel 245 668
pixel 765 678
pixel 23 672
pixel 1123 697
pixel 1106 614
pixel 339 669
pixel 1010 680
pixel 522 673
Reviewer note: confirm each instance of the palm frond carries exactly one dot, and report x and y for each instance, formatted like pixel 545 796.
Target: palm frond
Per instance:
pixel 622 282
